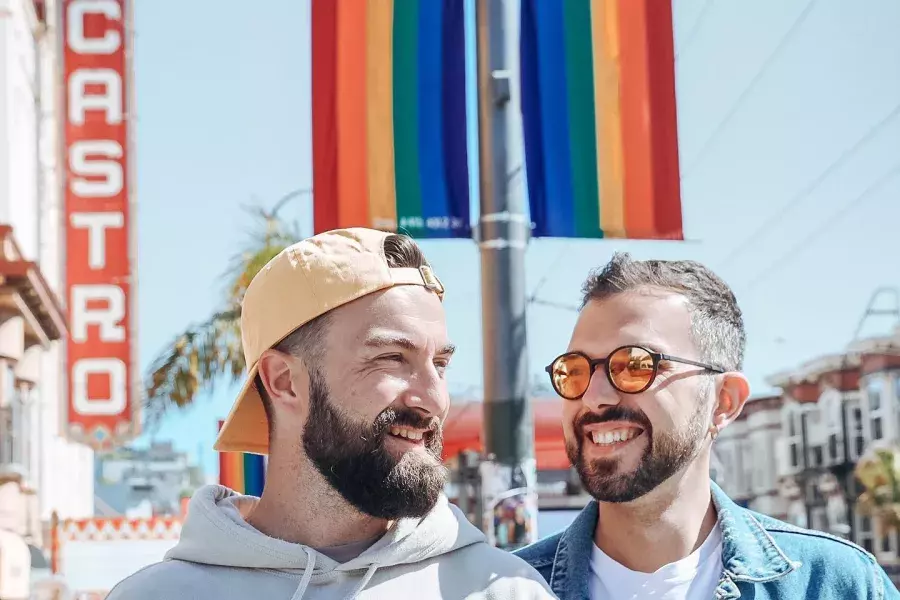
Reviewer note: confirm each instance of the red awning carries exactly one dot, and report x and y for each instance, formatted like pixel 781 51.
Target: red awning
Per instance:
pixel 463 431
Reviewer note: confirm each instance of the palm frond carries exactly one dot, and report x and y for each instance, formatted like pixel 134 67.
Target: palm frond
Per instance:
pixel 878 474
pixel 197 358
pixel 193 363
pixel 270 236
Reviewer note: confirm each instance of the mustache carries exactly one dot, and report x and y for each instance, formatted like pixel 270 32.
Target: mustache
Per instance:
pixel 614 413
pixel 393 417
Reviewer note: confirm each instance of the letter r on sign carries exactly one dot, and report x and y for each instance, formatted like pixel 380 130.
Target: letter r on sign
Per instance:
pixel 108 317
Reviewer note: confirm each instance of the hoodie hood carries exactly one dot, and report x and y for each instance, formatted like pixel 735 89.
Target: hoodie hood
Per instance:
pixel 216 533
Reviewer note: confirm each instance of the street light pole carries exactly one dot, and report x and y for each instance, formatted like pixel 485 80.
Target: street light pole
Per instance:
pixel 503 236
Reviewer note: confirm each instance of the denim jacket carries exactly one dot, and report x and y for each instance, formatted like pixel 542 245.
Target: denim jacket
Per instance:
pixel 763 559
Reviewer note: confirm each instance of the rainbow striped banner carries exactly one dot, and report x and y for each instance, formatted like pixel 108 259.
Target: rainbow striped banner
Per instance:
pixel 243 473
pixel 389 116
pixel 598 102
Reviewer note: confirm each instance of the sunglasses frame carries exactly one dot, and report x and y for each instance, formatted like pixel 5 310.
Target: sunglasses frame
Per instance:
pixel 596 362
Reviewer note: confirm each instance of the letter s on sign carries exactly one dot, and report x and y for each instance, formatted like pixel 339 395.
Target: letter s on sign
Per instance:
pixel 110 367
pixel 110 170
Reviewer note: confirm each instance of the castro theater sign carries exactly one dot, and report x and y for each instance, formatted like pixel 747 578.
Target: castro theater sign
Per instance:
pixel 103 383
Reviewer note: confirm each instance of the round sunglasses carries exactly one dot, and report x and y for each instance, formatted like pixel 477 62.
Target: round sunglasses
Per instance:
pixel 629 369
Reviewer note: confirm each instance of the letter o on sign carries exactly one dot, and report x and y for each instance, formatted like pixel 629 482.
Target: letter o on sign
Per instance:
pixel 110 367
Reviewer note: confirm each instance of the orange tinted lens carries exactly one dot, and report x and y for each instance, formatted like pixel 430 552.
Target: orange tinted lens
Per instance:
pixel 571 375
pixel 631 369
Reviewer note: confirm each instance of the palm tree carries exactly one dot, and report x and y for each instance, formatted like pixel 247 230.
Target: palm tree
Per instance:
pixel 199 357
pixel 879 473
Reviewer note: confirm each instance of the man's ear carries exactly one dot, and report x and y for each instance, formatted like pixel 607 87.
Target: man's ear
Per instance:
pixel 733 392
pixel 282 376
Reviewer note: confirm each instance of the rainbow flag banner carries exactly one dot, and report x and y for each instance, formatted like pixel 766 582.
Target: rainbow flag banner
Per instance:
pixel 598 105
pixel 243 473
pixel 389 116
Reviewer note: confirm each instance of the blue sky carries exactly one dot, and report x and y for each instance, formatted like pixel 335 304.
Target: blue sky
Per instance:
pixel 770 94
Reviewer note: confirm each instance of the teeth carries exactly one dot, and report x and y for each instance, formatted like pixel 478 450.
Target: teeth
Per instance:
pixel 406 433
pixel 612 437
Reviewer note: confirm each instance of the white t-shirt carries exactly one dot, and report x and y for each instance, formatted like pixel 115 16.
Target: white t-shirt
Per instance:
pixel 694 577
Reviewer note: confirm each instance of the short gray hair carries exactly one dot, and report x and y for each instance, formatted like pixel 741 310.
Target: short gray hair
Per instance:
pixel 717 324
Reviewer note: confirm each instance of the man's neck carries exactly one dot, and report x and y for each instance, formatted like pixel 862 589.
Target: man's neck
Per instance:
pixel 299 506
pixel 663 527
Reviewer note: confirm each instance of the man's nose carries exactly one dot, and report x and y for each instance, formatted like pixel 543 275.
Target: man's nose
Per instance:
pixel 600 391
pixel 427 392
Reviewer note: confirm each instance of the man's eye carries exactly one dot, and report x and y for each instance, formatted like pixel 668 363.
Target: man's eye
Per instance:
pixel 391 358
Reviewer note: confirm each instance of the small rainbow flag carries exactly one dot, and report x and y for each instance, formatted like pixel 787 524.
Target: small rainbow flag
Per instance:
pixel 243 473
pixel 598 103
pixel 389 116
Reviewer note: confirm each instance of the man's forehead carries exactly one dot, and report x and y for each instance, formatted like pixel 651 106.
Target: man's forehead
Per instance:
pixel 651 316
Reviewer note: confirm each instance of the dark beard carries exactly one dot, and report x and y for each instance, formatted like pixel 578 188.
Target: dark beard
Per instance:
pixel 351 456
pixel 665 455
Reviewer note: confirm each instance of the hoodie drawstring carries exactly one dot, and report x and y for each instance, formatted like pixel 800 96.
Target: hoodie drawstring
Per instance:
pixel 307 574
pixel 365 580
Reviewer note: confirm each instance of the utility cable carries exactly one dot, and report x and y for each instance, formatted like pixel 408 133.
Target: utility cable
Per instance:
pixel 867 194
pixel 694 29
pixel 770 60
pixel 795 200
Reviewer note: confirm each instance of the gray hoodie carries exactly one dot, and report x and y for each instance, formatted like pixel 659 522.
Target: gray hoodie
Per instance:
pixel 220 556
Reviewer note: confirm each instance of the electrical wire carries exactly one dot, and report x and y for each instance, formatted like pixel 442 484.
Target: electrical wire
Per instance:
pixel 770 60
pixel 552 304
pixel 795 200
pixel 867 194
pixel 549 271
pixel 694 29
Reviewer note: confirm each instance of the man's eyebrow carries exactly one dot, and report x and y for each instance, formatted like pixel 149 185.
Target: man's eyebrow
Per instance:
pixel 399 341
pixel 386 340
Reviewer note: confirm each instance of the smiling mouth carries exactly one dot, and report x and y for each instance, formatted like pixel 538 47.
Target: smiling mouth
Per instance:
pixel 614 437
pixel 406 434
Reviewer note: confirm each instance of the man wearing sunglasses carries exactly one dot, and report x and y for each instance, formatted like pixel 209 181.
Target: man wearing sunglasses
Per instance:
pixel 650 378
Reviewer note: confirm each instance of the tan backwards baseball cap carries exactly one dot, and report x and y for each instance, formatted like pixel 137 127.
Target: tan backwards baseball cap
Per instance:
pixel 304 281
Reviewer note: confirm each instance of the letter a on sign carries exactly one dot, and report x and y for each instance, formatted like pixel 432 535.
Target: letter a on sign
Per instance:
pixel 103 400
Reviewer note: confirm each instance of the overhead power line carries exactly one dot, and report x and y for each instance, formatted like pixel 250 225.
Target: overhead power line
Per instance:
pixel 785 258
pixel 552 304
pixel 694 29
pixel 796 200
pixel 770 60
pixel 543 280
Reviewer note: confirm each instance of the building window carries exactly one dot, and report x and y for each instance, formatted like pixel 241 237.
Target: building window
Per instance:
pixel 9 415
pixel 7 435
pixel 792 447
pixel 815 436
pixel 865 536
pixel 832 407
pixel 26 408
pixel 833 448
pixel 896 401
pixel 874 392
pixel 886 542
pixel 856 432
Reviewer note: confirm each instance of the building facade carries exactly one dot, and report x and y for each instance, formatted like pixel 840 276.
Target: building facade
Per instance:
pixel 793 456
pixel 144 482
pixel 744 457
pixel 40 471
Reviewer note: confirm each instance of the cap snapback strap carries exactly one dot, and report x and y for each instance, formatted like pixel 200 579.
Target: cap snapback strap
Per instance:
pixel 424 275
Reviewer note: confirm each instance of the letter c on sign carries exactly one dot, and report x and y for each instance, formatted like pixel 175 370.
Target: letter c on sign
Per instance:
pixel 110 41
pixel 112 368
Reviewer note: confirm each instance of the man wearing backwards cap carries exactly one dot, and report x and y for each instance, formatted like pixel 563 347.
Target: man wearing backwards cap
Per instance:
pixel 346 341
